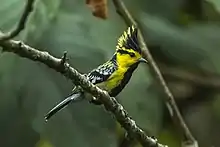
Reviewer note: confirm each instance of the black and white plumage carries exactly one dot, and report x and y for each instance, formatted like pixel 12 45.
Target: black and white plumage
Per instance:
pixel 102 72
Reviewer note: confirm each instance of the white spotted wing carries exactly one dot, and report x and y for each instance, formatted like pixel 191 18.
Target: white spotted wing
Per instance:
pixel 102 73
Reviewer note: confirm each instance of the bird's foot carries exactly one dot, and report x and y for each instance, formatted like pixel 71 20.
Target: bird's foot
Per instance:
pixel 95 101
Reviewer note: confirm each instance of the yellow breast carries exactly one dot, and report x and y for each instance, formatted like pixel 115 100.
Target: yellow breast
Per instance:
pixel 114 80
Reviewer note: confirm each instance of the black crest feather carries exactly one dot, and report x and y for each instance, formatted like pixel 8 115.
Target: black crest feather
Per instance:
pixel 129 40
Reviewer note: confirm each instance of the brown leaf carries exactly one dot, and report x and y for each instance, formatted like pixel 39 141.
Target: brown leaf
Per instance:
pixel 98 7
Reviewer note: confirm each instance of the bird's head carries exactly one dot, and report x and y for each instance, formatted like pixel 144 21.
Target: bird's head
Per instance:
pixel 128 51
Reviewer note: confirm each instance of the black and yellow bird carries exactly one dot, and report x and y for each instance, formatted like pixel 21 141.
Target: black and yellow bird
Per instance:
pixel 114 74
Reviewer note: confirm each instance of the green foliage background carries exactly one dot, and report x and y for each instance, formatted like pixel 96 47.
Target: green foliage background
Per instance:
pixel 181 34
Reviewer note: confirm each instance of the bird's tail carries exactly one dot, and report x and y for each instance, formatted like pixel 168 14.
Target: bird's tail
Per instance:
pixel 72 98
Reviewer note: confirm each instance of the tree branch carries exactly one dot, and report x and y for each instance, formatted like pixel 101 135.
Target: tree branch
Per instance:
pixel 208 80
pixel 21 25
pixel 170 102
pixel 65 69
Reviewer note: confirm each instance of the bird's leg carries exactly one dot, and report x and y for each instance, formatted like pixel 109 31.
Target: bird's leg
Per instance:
pixel 95 101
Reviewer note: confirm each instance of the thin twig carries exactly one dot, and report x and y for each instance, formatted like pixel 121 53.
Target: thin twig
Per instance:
pixel 21 24
pixel 170 102
pixel 109 103
pixel 205 80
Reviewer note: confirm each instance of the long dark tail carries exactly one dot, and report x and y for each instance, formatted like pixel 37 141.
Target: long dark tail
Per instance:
pixel 73 97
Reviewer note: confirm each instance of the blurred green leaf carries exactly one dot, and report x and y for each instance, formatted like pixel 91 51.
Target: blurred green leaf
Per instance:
pixel 13 72
pixel 216 4
pixel 44 143
pixel 193 47
pixel 168 136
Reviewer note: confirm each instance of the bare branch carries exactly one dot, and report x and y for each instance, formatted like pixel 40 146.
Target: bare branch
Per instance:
pixel 207 79
pixel 21 24
pixel 109 103
pixel 170 102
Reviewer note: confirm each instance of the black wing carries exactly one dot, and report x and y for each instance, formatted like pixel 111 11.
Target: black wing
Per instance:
pixel 102 73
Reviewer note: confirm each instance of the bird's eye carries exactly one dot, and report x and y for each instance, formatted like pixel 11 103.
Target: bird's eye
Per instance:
pixel 132 54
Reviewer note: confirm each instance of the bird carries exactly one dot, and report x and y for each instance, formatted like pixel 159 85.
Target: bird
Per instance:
pixel 113 75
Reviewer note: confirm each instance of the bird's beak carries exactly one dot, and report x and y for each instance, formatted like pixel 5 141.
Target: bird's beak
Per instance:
pixel 143 60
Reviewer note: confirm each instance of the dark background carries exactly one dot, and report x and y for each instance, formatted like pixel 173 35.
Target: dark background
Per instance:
pixel 183 37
